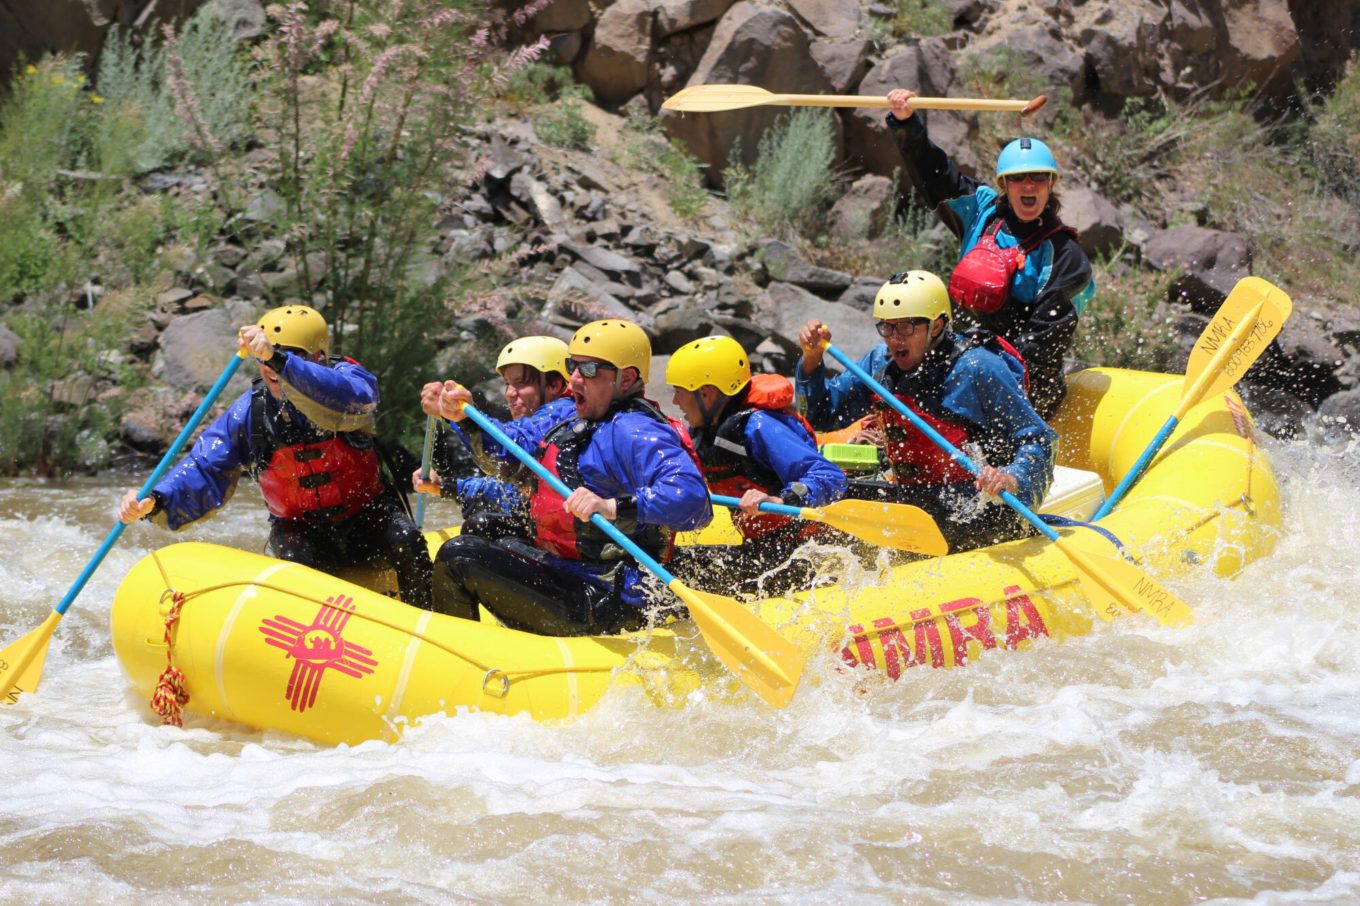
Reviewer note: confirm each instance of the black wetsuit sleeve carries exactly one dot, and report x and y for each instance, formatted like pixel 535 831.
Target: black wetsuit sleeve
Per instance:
pixel 933 175
pixel 1053 317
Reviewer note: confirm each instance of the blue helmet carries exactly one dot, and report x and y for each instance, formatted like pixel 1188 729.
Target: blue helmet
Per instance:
pixel 1026 155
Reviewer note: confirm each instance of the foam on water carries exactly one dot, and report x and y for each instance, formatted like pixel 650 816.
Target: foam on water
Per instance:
pixel 1137 764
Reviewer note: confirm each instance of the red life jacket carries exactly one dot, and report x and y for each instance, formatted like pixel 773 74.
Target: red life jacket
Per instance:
pixel 307 473
pixel 324 481
pixel 914 457
pixel 730 469
pixel 982 279
pixel 559 532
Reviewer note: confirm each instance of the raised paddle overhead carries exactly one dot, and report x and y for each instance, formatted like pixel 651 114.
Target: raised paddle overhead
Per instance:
pixel 717 98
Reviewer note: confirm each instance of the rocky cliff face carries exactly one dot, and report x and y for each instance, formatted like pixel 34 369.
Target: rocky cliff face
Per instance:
pixel 610 244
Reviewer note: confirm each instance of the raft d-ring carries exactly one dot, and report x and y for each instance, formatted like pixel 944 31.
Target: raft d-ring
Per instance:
pixel 164 606
pixel 490 687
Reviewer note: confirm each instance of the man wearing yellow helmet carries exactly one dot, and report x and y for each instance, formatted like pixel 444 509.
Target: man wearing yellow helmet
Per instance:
pixel 1021 270
pixel 534 370
pixel 305 432
pixel 751 446
pixel 625 461
pixel 967 389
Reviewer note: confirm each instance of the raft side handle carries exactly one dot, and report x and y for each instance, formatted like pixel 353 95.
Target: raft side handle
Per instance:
pixel 504 686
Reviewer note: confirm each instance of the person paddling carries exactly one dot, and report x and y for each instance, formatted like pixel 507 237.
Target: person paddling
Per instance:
pixel 754 447
pixel 305 432
pixel 1021 271
pixel 622 458
pixel 966 388
pixel 535 373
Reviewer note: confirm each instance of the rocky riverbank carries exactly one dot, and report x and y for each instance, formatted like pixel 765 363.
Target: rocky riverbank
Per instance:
pixel 603 239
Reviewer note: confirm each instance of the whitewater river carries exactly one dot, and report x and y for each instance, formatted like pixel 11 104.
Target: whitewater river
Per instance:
pixel 1217 763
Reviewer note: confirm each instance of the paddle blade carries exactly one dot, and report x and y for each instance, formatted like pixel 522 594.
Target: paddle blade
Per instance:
pixel 21 662
pixel 1113 584
pixel 1229 345
pixel 759 656
pixel 716 98
pixel 895 525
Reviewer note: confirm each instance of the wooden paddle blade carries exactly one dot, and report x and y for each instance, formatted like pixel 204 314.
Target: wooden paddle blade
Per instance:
pixel 716 98
pixel 761 657
pixel 895 525
pixel 21 662
pixel 1113 584
pixel 1230 345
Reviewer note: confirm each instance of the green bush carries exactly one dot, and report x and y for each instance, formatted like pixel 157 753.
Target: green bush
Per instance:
pixel 139 93
pixel 58 402
pixel 368 116
pixel 645 146
pixel 565 126
pixel 917 18
pixel 793 180
pixel 1128 324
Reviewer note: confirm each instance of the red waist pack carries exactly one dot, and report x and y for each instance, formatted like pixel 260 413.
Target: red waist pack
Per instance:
pixel 982 280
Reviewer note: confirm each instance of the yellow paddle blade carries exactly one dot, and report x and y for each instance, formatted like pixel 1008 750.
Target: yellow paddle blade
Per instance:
pixel 1246 322
pixel 716 98
pixel 21 662
pixel 1113 584
pixel 895 525
pixel 751 648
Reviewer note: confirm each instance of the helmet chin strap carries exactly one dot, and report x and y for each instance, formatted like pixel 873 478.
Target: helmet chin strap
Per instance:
pixel 707 415
pixel 936 338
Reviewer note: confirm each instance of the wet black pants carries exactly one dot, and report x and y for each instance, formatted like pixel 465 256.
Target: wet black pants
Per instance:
pixel 517 582
pixel 381 531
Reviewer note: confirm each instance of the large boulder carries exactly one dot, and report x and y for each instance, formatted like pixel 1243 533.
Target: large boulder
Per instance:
pixel 830 18
pixel 195 348
pixel 9 347
pixel 615 64
pixel 929 69
pixel 1207 263
pixel 1097 222
pixel 1122 46
pixel 673 16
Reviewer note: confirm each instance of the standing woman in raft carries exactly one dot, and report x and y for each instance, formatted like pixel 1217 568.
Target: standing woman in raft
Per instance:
pixel 1020 271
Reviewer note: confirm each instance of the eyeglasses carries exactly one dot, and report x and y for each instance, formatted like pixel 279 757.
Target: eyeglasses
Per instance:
pixel 904 329
pixel 1040 177
pixel 587 369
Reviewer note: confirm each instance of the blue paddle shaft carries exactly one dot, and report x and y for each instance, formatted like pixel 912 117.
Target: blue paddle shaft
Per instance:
pixel 954 452
pixel 782 509
pixel 557 485
pixel 1138 468
pixel 156 475
pixel 425 457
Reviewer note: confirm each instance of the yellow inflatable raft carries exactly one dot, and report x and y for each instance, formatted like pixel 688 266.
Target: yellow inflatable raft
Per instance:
pixel 275 645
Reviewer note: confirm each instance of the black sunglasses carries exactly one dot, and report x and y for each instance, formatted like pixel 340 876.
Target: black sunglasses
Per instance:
pixel 587 369
pixel 1037 176
pixel 906 328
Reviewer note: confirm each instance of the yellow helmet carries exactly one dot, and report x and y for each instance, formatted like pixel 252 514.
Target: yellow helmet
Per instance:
pixel 719 361
pixel 915 294
pixel 297 326
pixel 620 343
pixel 547 354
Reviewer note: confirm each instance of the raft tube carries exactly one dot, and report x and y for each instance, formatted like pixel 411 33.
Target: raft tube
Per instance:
pixel 274 645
